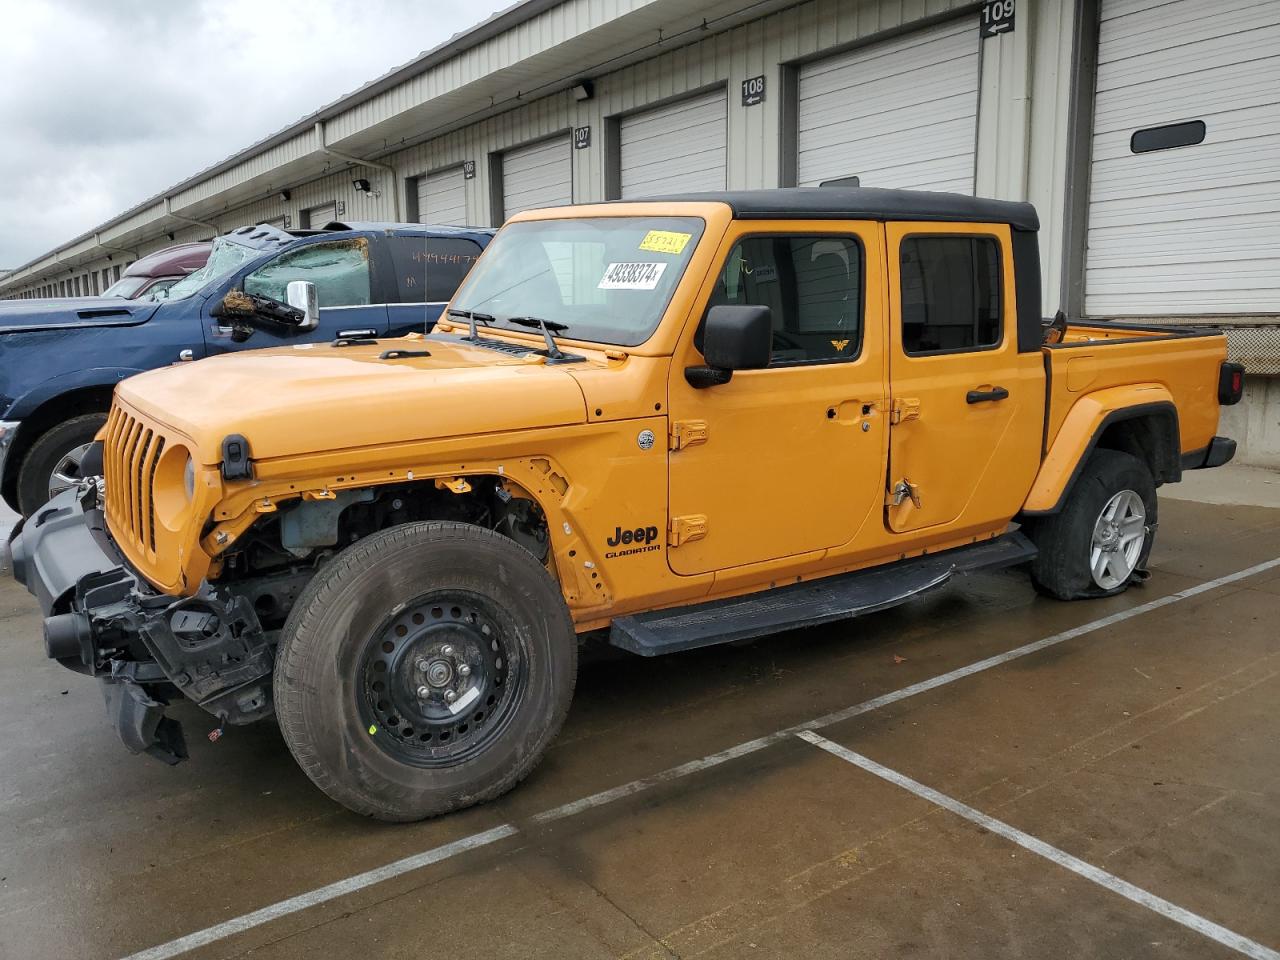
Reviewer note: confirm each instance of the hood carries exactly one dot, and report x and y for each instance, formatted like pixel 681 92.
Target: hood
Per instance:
pixel 21 316
pixel 316 397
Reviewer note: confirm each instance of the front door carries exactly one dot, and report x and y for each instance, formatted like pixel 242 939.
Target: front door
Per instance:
pixel 966 404
pixel 345 290
pixel 789 459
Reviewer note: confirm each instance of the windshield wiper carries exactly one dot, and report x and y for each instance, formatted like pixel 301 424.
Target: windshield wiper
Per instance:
pixel 472 316
pixel 546 326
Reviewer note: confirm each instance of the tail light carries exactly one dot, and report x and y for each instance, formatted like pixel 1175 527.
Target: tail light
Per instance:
pixel 1230 384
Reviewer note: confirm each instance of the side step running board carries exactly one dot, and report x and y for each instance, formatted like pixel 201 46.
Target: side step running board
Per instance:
pixel 808 604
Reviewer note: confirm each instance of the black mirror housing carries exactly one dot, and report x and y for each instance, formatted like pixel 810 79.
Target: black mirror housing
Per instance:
pixel 738 337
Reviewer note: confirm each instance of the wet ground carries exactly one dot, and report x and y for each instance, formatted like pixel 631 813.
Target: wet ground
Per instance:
pixel 1143 746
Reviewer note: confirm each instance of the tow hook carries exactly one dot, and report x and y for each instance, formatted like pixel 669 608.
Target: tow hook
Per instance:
pixel 68 638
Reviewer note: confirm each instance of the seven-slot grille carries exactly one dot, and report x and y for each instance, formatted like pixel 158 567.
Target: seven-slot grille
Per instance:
pixel 132 450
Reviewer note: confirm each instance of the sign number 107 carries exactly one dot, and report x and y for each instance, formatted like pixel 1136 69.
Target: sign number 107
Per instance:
pixel 997 17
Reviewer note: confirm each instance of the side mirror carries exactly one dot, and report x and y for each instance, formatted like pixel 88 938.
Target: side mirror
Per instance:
pixel 734 338
pixel 301 295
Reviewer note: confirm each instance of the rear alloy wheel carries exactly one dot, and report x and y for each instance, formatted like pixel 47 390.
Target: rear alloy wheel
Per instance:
pixel 1118 538
pixel 53 462
pixel 1098 543
pixel 424 669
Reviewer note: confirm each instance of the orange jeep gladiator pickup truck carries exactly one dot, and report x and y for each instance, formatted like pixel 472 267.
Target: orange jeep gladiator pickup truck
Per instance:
pixel 674 423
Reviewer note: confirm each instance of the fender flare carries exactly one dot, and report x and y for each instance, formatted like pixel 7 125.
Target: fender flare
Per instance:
pixel 1090 416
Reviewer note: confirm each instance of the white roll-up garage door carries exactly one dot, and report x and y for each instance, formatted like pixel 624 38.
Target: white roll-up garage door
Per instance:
pixel 1185 227
pixel 677 148
pixel 442 198
pixel 539 175
pixel 317 218
pixel 900 113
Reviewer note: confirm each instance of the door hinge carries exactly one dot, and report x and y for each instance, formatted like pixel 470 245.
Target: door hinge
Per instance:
pixel 685 433
pixel 903 490
pixel 904 409
pixel 687 529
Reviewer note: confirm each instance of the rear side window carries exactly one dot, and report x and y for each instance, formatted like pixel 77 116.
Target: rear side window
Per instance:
pixel 430 269
pixel 811 285
pixel 950 294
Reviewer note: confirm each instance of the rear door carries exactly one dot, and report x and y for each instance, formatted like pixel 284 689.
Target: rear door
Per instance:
pixel 788 459
pixel 425 272
pixel 966 406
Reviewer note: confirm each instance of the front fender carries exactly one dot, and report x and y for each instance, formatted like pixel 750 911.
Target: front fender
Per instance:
pixel 47 390
pixel 1085 422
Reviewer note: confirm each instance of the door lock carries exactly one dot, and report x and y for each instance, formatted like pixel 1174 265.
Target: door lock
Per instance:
pixel 904 490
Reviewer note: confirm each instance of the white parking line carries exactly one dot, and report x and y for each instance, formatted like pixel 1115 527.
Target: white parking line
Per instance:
pixel 1192 921
pixel 324 894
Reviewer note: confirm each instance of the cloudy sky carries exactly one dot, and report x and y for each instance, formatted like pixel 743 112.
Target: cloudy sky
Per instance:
pixel 103 104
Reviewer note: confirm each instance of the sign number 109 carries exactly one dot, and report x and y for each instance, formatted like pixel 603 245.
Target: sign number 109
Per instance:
pixel 997 17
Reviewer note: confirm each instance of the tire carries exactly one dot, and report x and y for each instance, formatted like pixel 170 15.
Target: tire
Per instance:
pixel 55 449
pixel 1064 567
pixel 446 595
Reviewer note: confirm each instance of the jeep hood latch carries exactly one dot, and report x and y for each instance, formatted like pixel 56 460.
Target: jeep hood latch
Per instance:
pixel 235 458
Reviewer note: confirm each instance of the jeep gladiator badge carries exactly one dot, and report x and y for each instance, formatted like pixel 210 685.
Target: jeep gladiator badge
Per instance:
pixel 643 536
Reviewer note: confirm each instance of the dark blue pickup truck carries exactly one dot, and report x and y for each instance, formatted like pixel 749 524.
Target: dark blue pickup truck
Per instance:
pixel 61 359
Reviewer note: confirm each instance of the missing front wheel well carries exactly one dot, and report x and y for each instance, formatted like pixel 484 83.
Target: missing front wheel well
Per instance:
pixel 303 534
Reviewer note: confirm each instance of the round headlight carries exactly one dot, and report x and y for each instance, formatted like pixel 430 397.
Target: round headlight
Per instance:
pixel 189 478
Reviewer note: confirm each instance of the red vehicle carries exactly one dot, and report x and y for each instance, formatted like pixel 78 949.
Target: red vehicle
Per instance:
pixel 157 272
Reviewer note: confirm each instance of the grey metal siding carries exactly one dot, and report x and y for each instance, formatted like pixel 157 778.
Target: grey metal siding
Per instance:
pixel 900 113
pixel 1193 229
pixel 676 148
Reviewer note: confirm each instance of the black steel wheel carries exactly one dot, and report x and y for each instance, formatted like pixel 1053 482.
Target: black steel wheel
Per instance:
pixel 424 669
pixel 442 678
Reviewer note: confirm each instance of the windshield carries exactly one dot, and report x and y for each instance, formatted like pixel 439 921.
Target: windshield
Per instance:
pixel 605 279
pixel 125 287
pixel 225 257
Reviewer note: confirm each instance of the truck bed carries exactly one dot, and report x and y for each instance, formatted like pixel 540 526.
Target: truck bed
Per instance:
pixel 1178 363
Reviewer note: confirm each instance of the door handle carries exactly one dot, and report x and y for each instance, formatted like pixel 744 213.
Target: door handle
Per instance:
pixel 982 396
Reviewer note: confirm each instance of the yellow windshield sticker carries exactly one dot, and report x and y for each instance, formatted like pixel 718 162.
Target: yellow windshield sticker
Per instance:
pixel 665 241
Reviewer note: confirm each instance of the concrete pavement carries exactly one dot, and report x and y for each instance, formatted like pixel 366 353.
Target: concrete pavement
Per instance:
pixel 1147 748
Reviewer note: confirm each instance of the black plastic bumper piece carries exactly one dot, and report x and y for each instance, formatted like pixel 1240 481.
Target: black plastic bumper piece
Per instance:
pixel 56 548
pixel 1219 451
pixel 808 604
pixel 141 722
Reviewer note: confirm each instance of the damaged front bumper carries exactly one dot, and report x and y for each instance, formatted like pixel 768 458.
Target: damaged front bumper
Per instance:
pixel 147 648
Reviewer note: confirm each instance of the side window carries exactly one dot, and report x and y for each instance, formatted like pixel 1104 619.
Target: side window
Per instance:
pixel 950 294
pixel 340 271
pixel 429 269
pixel 812 286
pixel 160 289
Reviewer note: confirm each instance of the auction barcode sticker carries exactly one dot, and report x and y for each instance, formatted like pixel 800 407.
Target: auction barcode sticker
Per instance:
pixel 631 276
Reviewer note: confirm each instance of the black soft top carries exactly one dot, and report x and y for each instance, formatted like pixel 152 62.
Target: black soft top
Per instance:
pixel 864 203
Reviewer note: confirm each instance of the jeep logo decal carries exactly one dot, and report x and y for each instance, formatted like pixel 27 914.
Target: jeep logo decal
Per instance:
pixel 639 539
